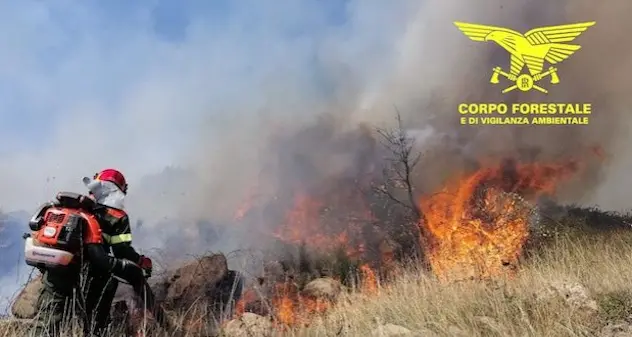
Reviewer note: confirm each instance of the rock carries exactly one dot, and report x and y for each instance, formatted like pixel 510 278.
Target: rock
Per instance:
pixel 247 325
pixel 323 288
pixel 207 280
pixel 391 330
pixel 126 300
pixel 159 285
pixel 25 304
pixel 196 280
pixel 205 290
pixel 573 293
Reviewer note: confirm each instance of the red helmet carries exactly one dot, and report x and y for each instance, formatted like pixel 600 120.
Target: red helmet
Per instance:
pixel 113 176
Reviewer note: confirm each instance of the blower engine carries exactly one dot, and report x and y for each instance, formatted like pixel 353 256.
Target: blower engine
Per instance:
pixel 57 231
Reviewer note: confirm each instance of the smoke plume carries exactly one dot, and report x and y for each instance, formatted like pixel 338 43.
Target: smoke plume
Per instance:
pixel 429 68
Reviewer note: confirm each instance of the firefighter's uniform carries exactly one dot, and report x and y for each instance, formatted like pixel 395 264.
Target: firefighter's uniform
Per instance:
pixel 87 290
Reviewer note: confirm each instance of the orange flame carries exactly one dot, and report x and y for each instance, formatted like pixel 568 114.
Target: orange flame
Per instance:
pixel 303 224
pixel 476 229
pixel 369 281
pixel 309 221
pixel 247 297
pixel 292 308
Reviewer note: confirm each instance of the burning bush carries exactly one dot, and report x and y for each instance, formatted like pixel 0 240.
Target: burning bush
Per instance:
pixel 354 224
pixel 479 224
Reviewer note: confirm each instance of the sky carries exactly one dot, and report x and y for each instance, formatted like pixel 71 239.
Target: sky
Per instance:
pixel 67 52
pixel 133 85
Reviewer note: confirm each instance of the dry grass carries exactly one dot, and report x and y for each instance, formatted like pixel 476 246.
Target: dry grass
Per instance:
pixel 507 307
pixel 602 263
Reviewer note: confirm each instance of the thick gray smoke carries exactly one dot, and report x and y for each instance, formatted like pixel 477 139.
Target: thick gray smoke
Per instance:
pixel 440 68
pixel 428 70
pixel 425 66
pixel 215 103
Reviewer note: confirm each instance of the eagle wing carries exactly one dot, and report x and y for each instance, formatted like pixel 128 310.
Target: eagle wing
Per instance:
pixel 478 32
pixel 554 36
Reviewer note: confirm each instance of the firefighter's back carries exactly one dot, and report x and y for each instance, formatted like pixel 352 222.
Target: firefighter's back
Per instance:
pixel 59 231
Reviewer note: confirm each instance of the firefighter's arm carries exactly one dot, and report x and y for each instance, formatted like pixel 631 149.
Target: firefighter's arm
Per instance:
pixel 121 240
pixel 101 260
pixel 125 250
pixel 93 242
pixel 122 268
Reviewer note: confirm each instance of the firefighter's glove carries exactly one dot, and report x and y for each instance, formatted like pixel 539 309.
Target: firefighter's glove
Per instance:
pixel 146 264
pixel 130 272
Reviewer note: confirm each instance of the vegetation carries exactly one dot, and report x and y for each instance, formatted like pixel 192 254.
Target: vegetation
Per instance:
pixel 509 306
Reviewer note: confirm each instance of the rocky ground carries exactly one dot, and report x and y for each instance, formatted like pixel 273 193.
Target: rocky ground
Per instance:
pixel 205 285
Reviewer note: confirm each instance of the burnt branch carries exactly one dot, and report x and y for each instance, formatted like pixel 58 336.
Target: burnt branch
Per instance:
pixel 402 161
pixel 397 189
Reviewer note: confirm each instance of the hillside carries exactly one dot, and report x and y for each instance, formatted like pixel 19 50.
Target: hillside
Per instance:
pixel 590 273
pixel 576 287
pixel 574 283
pixel 491 249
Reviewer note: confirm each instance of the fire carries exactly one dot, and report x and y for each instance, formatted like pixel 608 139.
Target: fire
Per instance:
pixel 307 222
pixel 369 282
pixel 303 224
pixel 313 222
pixel 292 308
pixel 323 228
pixel 478 224
pixel 475 227
pixel 249 296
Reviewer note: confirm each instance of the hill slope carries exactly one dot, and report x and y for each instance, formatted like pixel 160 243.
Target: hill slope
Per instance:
pixel 576 287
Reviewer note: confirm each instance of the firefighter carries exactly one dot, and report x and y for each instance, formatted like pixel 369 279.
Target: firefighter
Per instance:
pixel 88 288
pixel 108 188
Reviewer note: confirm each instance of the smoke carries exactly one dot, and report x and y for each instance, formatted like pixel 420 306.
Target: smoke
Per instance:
pixel 424 66
pixel 200 89
pixel 12 270
pixel 439 68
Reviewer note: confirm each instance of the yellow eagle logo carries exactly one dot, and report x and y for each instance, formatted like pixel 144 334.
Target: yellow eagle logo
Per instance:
pixel 532 49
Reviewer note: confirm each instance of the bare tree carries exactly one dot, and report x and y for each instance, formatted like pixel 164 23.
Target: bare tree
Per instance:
pixel 401 162
pixel 399 189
